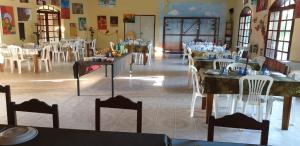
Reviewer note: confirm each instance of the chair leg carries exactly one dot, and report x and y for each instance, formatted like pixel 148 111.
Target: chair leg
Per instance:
pixel 50 65
pixel 40 65
pixel 259 112
pixel 193 105
pixel 19 67
pixel 12 66
pixel 244 107
pixel 29 65
pixel 215 106
pixel 46 65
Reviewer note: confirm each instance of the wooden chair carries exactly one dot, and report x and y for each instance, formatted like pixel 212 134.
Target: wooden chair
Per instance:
pixel 119 102
pixel 240 121
pixel 274 65
pixel 6 91
pixel 36 106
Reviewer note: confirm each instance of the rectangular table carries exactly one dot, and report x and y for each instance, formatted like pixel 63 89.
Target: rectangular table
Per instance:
pixel 72 137
pixel 119 64
pixel 229 84
pixel 140 49
pixel 183 142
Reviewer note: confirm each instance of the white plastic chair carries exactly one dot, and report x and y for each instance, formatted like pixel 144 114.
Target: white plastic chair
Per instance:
pixel 256 85
pixel 79 44
pixel 185 52
pixel 74 51
pixel 197 89
pixel 17 56
pixel 150 53
pixel 93 47
pixel 237 66
pixel 112 45
pixel 240 53
pixel 57 52
pixel 222 63
pixel 260 60
pixel 45 57
pixel 191 64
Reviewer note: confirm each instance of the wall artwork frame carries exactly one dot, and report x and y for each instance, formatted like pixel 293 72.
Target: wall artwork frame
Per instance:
pixel 102 22
pixel 107 3
pixel 77 8
pixel 24 14
pixel 114 21
pixel 82 24
pixel 24 1
pixel 8 20
pixel 65 9
pixel 55 3
pixel 73 30
pixel 41 2
pixel 261 5
pixel 129 18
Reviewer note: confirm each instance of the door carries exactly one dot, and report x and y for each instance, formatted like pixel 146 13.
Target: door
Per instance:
pixel 143 27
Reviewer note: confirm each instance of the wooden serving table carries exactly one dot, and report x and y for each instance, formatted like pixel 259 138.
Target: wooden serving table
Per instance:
pixel 229 84
pixel 118 64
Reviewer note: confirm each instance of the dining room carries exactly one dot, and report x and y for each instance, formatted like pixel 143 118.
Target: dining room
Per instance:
pixel 149 73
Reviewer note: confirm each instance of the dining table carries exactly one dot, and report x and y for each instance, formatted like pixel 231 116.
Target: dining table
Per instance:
pixel 229 84
pixel 76 137
pixel 138 48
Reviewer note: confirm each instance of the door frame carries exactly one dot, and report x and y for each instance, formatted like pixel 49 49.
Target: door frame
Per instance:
pixel 154 28
pixel 47 23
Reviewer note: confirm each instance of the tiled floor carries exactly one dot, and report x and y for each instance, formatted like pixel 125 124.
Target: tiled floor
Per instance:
pixel 162 87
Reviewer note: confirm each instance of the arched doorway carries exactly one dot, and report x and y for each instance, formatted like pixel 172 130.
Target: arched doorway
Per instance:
pixel 244 27
pixel 280 29
pixel 48 23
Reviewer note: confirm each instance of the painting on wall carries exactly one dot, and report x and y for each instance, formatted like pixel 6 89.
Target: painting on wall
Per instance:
pixel 73 30
pixel 129 18
pixel 107 3
pixel 24 14
pixel 41 2
pixel 55 2
pixel 8 20
pixel 82 24
pixel 246 2
pixel 77 8
pixel 261 5
pixel 297 9
pixel 114 21
pixel 23 1
pixel 102 23
pixel 254 2
pixel 65 9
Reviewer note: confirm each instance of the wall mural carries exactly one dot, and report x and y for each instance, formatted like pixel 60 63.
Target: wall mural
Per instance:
pixel 65 9
pixel 8 20
pixel 24 14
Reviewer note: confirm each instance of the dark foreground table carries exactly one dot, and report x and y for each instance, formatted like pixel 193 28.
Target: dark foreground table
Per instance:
pixel 71 137
pixel 181 142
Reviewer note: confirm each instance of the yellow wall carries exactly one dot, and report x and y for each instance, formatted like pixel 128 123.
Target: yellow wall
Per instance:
pixel 29 25
pixel 256 36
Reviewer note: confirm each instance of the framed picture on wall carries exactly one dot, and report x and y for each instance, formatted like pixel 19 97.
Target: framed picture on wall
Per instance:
pixel 24 14
pixel 114 21
pixel 102 23
pixel 55 2
pixel 8 20
pixel 129 18
pixel 41 2
pixel 82 24
pixel 261 5
pixel 23 1
pixel 77 8
pixel 73 30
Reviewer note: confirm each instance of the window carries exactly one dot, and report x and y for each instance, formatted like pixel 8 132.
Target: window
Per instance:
pixel 48 24
pixel 244 27
pixel 280 29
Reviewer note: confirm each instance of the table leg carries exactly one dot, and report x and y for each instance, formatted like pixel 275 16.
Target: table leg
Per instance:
pixel 203 105
pixel 209 105
pixel 105 70
pixel 88 49
pixel 112 80
pixel 1 67
pixel 287 104
pixel 36 63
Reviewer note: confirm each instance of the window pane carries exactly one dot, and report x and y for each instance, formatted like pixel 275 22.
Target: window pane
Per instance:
pixel 277 15
pixel 279 55
pixel 269 44
pixel 275 25
pixel 274 35
pixel 284 14
pixel 286 47
pixel 271 25
pixel 290 14
pixel 284 56
pixel 280 46
pixel 287 36
pixel 273 45
pixel 281 36
pixel 289 25
pixel 270 35
pixel 272 16
pixel 283 25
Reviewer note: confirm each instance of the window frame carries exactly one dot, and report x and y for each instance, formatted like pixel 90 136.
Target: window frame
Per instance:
pixel 278 6
pixel 245 13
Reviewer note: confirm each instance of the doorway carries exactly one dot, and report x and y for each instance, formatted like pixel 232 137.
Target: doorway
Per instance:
pixel 184 29
pixel 49 25
pixel 143 28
